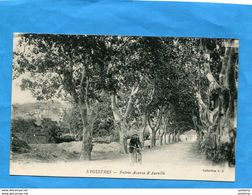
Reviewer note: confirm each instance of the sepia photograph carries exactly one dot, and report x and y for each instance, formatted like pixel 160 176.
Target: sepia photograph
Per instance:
pixel 138 107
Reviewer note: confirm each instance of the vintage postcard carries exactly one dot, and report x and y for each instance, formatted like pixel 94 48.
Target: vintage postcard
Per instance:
pixel 124 107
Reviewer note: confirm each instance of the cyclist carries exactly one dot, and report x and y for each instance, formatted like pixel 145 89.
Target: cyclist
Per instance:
pixel 135 144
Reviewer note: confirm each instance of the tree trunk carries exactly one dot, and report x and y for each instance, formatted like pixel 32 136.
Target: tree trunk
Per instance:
pixel 87 116
pixel 220 119
pixel 170 138
pixel 86 134
pixel 122 136
pixel 228 80
pixel 142 134
pixel 123 142
pixel 161 138
pixel 174 138
pixel 86 144
pixel 119 125
pixel 166 138
pixel 155 128
pixel 121 119
pixel 153 138
pixel 178 137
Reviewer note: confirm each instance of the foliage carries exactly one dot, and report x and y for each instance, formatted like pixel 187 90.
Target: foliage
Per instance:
pixel 31 126
pixel 103 125
pixel 221 153
pixel 18 145
pixel 22 125
pixel 154 79
pixel 71 121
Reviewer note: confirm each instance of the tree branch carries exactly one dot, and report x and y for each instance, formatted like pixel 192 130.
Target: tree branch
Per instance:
pixel 86 94
pixel 149 122
pixel 199 98
pixel 115 109
pixel 134 90
pixel 160 116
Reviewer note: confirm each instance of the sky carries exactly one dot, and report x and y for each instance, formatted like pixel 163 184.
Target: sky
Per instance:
pixel 20 96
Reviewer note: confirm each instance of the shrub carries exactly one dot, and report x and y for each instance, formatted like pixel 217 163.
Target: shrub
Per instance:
pixel 32 126
pixel 22 125
pixel 218 153
pixel 66 138
pixel 52 128
pixel 18 145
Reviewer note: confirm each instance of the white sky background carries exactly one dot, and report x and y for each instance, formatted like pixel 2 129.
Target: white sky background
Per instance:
pixel 20 96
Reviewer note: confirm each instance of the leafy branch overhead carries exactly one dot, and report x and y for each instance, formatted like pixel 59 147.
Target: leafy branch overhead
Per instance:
pixel 163 82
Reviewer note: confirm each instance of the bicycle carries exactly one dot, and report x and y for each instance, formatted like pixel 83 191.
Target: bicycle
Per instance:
pixel 135 156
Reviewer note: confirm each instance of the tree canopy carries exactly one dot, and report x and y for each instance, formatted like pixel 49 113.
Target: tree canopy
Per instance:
pixel 155 81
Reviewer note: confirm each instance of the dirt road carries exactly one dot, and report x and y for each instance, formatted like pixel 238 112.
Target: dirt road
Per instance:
pixel 174 161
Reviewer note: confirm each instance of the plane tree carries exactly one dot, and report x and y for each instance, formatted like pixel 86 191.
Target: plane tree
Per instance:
pixel 217 100
pixel 168 84
pixel 67 67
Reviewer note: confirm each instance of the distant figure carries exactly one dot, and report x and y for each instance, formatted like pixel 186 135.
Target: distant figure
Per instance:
pixel 135 148
pixel 186 139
